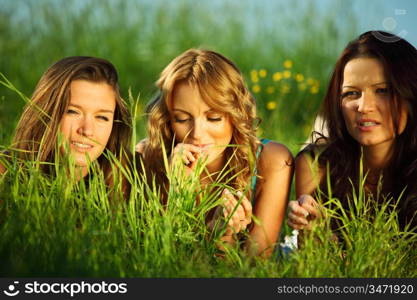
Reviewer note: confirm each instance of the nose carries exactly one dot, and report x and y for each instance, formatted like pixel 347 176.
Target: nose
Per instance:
pixel 86 127
pixel 366 102
pixel 197 130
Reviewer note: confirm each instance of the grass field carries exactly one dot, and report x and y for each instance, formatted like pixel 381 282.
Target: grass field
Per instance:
pixel 56 227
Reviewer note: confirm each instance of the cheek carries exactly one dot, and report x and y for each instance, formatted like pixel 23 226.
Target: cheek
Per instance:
pixel 105 134
pixel 180 130
pixel 65 127
pixel 222 132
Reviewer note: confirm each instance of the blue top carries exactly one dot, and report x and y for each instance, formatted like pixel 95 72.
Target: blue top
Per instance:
pixel 255 171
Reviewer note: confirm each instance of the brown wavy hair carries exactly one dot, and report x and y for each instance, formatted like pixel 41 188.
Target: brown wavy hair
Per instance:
pixel 343 152
pixel 36 134
pixel 222 87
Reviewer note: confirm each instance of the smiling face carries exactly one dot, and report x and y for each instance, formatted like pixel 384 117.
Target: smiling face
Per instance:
pixel 88 121
pixel 366 106
pixel 194 122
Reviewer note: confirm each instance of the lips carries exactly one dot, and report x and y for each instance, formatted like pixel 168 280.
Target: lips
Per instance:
pixel 367 124
pixel 81 146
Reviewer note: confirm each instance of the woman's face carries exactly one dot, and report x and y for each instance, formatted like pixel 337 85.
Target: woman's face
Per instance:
pixel 88 121
pixel 194 122
pixel 366 106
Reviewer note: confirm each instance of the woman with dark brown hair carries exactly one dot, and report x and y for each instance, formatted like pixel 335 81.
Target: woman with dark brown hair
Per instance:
pixel 369 113
pixel 76 99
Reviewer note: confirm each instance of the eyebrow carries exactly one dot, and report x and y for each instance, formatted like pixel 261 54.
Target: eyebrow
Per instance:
pixel 101 110
pixel 350 86
pixel 181 110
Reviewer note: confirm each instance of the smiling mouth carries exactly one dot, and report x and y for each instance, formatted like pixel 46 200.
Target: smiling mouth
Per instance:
pixel 82 145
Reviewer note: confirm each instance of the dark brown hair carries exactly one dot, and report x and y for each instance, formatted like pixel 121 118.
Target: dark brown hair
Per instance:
pixel 343 152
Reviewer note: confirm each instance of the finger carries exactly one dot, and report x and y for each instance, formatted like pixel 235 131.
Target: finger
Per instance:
pixel 297 219
pixel 294 226
pixel 307 199
pixel 297 209
pixel 313 211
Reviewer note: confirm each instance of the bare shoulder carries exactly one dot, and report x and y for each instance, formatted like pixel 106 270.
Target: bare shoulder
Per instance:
pixel 275 155
pixel 140 147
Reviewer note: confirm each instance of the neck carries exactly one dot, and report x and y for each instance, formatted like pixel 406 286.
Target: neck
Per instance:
pixel 376 158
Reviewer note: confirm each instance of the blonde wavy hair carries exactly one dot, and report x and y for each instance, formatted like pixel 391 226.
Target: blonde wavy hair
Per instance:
pixel 222 87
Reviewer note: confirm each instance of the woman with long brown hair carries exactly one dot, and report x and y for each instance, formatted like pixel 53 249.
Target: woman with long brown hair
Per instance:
pixel 206 113
pixel 76 99
pixel 369 113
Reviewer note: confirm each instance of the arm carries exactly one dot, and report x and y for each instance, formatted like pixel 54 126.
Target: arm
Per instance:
pixel 2 169
pixel 305 208
pixel 275 169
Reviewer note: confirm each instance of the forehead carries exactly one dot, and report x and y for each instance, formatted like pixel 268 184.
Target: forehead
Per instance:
pixel 94 95
pixel 186 96
pixel 363 71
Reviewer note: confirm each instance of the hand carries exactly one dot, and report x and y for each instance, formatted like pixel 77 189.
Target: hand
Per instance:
pixel 186 154
pixel 241 214
pixel 302 212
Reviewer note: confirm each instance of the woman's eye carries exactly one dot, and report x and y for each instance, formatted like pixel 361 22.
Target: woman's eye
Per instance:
pixel 71 111
pixel 350 95
pixel 104 118
pixel 177 120
pixel 212 119
pixel 382 90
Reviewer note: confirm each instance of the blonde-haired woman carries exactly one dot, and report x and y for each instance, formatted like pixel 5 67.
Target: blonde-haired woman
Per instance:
pixel 78 99
pixel 205 111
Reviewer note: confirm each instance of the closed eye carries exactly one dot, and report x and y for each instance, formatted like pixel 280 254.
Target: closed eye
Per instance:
pixel 214 119
pixel 181 120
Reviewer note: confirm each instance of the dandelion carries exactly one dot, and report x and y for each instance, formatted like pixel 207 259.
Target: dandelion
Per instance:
pixel 277 76
pixel 285 89
pixel 270 89
pixel 271 105
pixel 299 77
pixel 314 89
pixel 254 76
pixel 288 64
pixel 262 73
pixel 302 86
pixel 287 74
pixel 256 88
pixel 310 81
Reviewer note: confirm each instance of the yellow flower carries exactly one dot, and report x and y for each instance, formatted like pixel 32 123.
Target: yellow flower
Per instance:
pixel 277 76
pixel 256 88
pixel 270 89
pixel 288 64
pixel 254 76
pixel 285 89
pixel 302 86
pixel 311 81
pixel 314 89
pixel 271 105
pixel 287 74
pixel 299 77
pixel 262 73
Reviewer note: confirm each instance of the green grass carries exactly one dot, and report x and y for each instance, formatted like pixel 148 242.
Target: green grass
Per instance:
pixel 52 226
